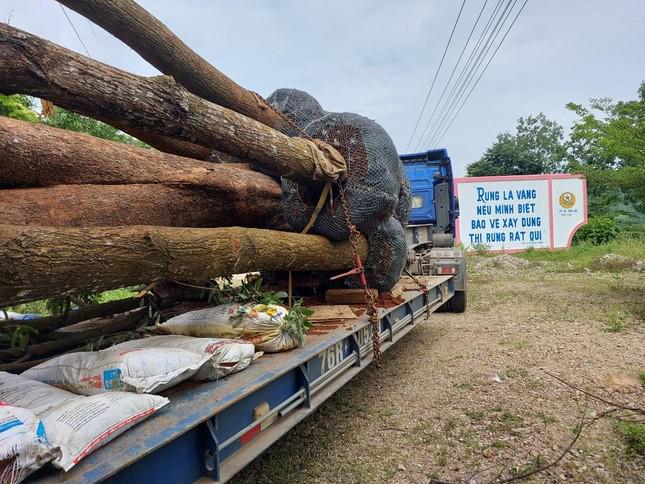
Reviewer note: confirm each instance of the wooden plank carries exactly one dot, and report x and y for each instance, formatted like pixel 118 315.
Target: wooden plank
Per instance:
pixel 340 311
pixel 347 296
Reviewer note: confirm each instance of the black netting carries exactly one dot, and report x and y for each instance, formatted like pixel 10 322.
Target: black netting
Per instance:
pixel 388 252
pixel 403 206
pixel 376 184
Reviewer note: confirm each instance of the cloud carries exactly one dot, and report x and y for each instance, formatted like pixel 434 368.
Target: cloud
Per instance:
pixel 377 58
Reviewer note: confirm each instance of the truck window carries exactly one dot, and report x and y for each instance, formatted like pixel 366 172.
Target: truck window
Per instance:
pixel 417 201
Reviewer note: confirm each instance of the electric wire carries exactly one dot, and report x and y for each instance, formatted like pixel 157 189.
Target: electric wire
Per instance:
pixel 75 31
pixel 454 69
pixel 465 67
pixel 482 72
pixel 435 75
pixel 446 102
pixel 471 65
pixel 472 74
pixel 470 71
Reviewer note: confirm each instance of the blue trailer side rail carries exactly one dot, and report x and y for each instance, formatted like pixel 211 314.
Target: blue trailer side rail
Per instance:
pixel 215 429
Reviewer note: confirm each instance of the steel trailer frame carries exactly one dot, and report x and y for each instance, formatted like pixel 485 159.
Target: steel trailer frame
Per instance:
pixel 212 430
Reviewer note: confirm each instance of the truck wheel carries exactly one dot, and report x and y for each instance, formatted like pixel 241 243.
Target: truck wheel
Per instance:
pixel 457 304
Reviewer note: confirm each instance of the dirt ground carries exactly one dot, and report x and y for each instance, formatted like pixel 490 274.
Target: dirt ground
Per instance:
pixel 465 396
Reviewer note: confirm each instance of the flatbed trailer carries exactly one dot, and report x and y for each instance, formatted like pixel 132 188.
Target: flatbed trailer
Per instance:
pixel 210 431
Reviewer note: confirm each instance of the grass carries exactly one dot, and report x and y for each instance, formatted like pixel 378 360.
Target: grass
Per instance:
pixel 641 375
pixel 510 419
pixel 615 321
pixel 442 457
pixel 498 444
pixel 584 255
pixel 547 419
pixel 634 436
pixel 476 415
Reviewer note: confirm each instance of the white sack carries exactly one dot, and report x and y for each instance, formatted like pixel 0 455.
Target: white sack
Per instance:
pixel 146 370
pixel 23 443
pixel 227 355
pixel 77 425
pixel 263 325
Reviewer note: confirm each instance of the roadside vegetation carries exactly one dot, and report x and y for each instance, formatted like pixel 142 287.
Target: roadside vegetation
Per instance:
pixel 587 255
pixel 606 143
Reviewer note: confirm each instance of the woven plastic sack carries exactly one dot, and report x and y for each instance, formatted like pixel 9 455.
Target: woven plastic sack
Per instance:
pixel 144 370
pixel 261 324
pixel 226 355
pixel 23 443
pixel 77 425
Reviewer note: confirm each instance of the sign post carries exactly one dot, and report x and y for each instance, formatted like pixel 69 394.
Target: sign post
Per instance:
pixel 515 213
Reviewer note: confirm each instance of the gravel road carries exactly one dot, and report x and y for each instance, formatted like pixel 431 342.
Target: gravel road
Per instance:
pixel 468 395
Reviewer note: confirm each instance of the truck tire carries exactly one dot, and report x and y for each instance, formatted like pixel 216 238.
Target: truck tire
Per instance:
pixel 457 303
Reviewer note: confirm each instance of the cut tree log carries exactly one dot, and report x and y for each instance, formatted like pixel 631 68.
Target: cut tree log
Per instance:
pixel 50 323
pixel 38 155
pixel 112 325
pixel 157 44
pixel 42 262
pixel 34 66
pixel 137 204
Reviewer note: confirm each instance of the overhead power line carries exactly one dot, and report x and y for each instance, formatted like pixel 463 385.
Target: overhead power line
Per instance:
pixel 436 106
pixel 75 31
pixel 441 107
pixel 435 75
pixel 482 72
pixel 476 58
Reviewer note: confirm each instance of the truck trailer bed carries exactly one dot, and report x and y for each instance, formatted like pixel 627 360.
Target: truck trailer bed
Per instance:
pixel 212 430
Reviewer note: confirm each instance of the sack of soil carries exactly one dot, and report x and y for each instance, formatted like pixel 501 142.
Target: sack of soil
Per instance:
pixel 77 425
pixel 140 370
pixel 23 444
pixel 226 355
pixel 268 326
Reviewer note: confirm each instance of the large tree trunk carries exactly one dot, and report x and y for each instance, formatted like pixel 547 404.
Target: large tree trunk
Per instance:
pixel 157 44
pixel 37 155
pixel 42 262
pixel 158 105
pixel 137 204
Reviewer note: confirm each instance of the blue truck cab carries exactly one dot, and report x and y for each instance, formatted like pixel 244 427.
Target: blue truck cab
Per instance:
pixel 430 233
pixel 434 206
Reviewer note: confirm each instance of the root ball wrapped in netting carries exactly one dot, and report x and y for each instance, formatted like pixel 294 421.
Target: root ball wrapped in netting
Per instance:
pixel 387 255
pixel 377 189
pixel 375 174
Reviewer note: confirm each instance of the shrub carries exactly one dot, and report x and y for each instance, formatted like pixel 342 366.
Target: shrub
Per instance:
pixel 634 437
pixel 599 230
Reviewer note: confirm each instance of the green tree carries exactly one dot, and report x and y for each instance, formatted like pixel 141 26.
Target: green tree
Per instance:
pixel 75 122
pixel 17 106
pixel 607 144
pixel 536 147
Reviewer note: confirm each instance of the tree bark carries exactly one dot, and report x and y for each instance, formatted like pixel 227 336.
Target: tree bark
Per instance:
pixel 157 44
pixel 112 325
pixel 137 204
pixel 51 323
pixel 158 105
pixel 42 262
pixel 38 155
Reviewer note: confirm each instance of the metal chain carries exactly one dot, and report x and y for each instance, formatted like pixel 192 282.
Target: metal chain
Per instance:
pixel 372 312
pixel 424 289
pixel 354 235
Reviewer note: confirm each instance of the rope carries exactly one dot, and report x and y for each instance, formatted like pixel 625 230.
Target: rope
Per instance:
pixel 314 216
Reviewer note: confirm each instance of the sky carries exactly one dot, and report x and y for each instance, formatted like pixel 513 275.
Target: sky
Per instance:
pixel 378 58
